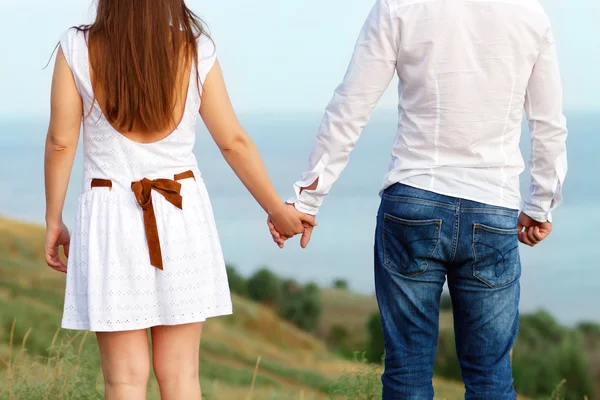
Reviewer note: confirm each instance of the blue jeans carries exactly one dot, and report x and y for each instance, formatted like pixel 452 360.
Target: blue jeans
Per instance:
pixel 421 238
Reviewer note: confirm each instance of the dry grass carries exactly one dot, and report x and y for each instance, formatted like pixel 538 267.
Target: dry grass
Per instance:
pixel 344 308
pixel 352 311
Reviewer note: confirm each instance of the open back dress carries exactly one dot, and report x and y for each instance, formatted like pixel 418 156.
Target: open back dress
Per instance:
pixel 144 246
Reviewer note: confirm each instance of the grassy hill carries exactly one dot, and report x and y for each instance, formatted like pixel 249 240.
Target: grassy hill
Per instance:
pixel 351 310
pixel 54 364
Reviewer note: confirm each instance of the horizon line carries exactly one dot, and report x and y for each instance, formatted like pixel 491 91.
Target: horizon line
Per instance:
pixel 255 112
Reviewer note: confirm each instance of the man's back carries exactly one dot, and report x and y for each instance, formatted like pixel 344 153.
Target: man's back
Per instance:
pixel 464 68
pixel 467 69
pixel 449 208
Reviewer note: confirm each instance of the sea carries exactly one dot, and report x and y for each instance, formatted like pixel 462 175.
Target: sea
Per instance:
pixel 561 275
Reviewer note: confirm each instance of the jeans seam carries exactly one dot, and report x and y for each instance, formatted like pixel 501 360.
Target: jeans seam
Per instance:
pixel 455 233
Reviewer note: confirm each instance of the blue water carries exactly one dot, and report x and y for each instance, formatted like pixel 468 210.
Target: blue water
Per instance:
pixel 562 275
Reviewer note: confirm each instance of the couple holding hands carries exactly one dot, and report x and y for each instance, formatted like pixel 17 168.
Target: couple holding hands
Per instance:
pixel 144 253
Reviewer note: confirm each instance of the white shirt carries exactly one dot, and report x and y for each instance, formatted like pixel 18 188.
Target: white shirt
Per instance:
pixel 467 68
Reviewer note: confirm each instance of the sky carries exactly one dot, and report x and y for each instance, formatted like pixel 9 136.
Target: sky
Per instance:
pixel 278 56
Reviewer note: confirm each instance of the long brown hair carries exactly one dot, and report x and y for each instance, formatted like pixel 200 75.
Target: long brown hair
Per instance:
pixel 136 49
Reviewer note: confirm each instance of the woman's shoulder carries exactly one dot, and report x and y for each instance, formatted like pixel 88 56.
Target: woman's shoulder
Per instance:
pixel 207 55
pixel 72 41
pixel 74 32
pixel 206 46
pixel 73 38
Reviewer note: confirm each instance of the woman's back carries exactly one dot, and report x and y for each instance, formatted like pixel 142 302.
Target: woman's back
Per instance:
pixel 141 121
pixel 127 156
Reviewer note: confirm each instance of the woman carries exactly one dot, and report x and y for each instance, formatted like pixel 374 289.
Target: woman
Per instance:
pixel 144 251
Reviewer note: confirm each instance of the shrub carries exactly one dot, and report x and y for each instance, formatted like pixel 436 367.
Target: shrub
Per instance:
pixel 546 354
pixel 341 284
pixel 338 340
pixel 264 287
pixel 446 302
pixel 573 368
pixel 237 283
pixel 589 329
pixel 312 288
pixel 591 344
pixel 290 286
pixel 364 383
pixel 446 364
pixel 375 346
pixel 301 306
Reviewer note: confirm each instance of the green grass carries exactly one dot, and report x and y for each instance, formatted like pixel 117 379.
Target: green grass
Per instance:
pixel 363 382
pixel 212 370
pixel 303 377
pixel 307 378
pixel 67 372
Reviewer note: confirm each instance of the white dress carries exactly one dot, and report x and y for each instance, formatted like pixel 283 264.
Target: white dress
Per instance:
pixel 111 283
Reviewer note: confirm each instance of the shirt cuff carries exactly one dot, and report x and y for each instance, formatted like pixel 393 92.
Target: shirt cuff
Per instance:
pixel 538 210
pixel 304 207
pixel 309 201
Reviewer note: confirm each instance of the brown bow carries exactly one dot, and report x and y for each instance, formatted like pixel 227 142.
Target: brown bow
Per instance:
pixel 170 190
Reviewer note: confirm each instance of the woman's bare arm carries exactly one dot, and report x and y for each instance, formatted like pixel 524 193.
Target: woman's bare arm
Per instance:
pixel 240 152
pixel 61 144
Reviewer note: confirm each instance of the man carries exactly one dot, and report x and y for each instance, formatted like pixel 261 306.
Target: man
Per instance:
pixel 450 200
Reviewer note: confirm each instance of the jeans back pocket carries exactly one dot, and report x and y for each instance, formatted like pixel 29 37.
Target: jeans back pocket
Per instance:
pixel 408 245
pixel 496 255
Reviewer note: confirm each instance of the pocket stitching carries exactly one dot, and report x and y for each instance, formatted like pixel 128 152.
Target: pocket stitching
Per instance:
pixel 499 231
pixel 494 230
pixel 412 223
pixel 493 248
pixel 401 221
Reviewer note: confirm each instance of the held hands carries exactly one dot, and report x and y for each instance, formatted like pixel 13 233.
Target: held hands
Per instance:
pixel 532 232
pixel 56 235
pixel 289 222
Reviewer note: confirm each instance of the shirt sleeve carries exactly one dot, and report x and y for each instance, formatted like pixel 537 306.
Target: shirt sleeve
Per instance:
pixel 369 74
pixel 544 109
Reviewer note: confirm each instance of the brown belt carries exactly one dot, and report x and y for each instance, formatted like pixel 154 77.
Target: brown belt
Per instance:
pixel 169 189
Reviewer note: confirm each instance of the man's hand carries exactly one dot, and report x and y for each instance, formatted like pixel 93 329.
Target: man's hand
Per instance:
pixel 532 232
pixel 308 222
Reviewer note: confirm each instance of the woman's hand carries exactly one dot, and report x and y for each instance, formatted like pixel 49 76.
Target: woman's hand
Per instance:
pixel 56 236
pixel 289 223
